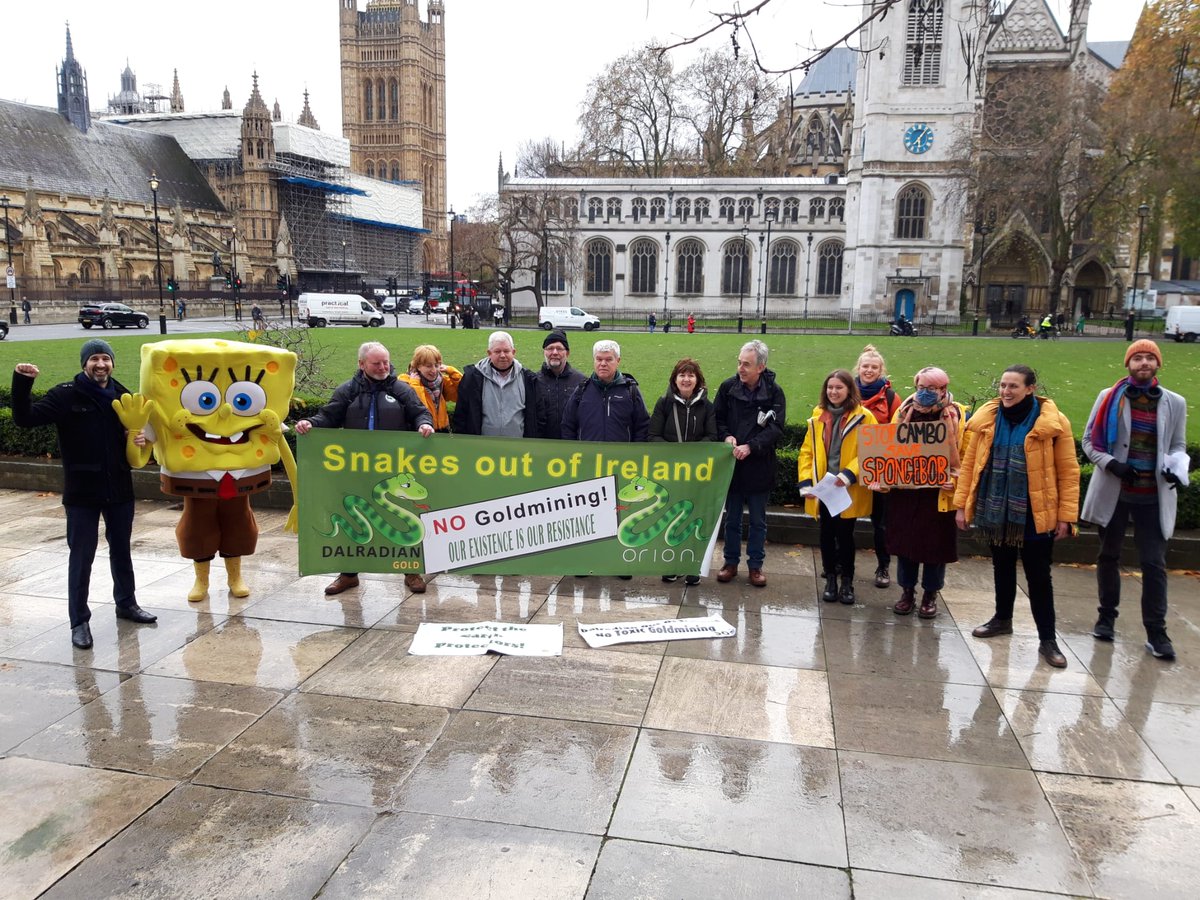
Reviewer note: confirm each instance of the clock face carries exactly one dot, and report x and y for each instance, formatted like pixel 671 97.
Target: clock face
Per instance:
pixel 918 138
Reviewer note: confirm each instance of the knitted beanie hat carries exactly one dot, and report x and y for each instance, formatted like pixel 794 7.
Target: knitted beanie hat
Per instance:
pixel 1143 345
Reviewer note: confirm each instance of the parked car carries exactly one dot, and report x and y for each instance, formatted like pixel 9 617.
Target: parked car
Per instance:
pixel 388 304
pixel 3 329
pixel 111 315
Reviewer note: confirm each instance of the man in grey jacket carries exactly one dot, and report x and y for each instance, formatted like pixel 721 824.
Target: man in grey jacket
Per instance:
pixel 1133 427
pixel 497 395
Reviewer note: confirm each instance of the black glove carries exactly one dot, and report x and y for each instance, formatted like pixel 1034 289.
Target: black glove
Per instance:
pixel 1172 479
pixel 1121 470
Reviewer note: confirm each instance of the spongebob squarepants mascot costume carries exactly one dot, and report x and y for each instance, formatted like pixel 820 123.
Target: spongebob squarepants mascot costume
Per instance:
pixel 212 412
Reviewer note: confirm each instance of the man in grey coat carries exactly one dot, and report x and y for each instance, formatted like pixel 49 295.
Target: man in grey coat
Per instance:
pixel 1133 427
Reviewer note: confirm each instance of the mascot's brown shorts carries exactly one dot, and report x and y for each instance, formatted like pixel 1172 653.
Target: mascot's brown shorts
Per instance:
pixel 208 527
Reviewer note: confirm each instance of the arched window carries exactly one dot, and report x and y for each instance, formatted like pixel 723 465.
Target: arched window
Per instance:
pixel 816 209
pixel 683 208
pixel 368 101
pixel 572 208
pixel 735 268
pixel 771 208
pixel 701 209
pixel 638 208
pixel 829 268
pixel 612 209
pixel 689 266
pixel 837 209
pixel 395 171
pixel 86 272
pixel 123 238
pixel 51 234
pixel 380 100
pixel 923 43
pixel 791 210
pixel 393 99
pixel 554 275
pixel 726 209
pixel 595 208
pixel 912 209
pixel 781 278
pixel 658 208
pixel 599 267
pixel 370 169
pixel 835 136
pixel 746 209
pixel 643 266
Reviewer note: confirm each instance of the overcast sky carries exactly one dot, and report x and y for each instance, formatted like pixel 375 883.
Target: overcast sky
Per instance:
pixel 515 71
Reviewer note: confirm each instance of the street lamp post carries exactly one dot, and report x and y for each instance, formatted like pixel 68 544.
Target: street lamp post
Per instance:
pixel 235 279
pixel 162 316
pixel 807 278
pixel 770 217
pixel 343 287
pixel 1142 212
pixel 12 291
pixel 453 277
pixel 742 275
pixel 983 229
pixel 666 277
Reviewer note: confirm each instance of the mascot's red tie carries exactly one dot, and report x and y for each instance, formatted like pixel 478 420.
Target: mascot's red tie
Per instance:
pixel 227 489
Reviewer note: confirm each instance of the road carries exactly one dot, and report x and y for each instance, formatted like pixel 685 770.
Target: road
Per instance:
pixel 188 326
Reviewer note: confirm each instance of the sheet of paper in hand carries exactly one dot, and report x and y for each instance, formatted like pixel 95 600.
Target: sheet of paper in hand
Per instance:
pixel 658 630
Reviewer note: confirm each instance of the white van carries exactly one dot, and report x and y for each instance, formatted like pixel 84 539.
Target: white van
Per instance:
pixel 1183 323
pixel 551 317
pixel 319 310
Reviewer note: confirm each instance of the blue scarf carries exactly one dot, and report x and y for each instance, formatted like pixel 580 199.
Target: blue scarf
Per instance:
pixel 1002 505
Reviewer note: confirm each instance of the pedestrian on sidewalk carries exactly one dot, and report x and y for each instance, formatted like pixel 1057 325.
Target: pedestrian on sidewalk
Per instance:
pixel 1019 487
pixel 920 525
pixel 1133 427
pixel 831 448
pixel 26 308
pixel 870 377
pixel 651 322
pixel 96 475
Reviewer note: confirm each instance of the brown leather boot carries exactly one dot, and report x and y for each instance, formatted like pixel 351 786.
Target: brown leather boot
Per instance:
pixel 907 602
pixel 415 583
pixel 928 608
pixel 727 573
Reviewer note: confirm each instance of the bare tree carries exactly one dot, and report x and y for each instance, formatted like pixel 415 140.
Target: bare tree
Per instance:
pixel 536 231
pixel 727 103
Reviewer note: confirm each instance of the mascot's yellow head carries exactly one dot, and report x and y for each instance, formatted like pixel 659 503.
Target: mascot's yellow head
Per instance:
pixel 219 403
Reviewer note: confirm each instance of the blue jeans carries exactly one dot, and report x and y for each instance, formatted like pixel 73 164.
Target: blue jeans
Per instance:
pixel 933 578
pixel 756 541
pixel 83 535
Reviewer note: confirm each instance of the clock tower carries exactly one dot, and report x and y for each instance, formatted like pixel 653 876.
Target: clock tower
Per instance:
pixel 919 93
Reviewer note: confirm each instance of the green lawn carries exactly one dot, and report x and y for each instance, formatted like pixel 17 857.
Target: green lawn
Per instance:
pixel 1071 371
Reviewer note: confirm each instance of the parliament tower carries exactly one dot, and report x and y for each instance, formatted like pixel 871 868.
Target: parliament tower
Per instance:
pixel 394 103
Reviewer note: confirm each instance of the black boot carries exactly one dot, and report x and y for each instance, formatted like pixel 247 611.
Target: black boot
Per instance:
pixel 830 594
pixel 847 594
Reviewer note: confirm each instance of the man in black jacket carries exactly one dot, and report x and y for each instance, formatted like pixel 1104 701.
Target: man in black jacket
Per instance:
pixel 96 475
pixel 373 400
pixel 751 410
pixel 556 381
pixel 497 395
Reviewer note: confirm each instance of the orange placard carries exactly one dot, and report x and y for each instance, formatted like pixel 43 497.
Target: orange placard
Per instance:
pixel 916 455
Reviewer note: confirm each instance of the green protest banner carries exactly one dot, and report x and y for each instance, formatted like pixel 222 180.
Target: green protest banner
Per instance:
pixel 386 501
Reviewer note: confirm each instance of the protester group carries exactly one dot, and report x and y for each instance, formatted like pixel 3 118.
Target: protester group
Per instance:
pixel 1013 474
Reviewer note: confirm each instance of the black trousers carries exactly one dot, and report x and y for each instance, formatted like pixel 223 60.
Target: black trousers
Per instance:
pixel 1152 557
pixel 1036 557
pixel 837 543
pixel 83 536
pixel 879 527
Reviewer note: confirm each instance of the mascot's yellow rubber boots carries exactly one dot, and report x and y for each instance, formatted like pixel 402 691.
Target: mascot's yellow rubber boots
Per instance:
pixel 200 589
pixel 233 571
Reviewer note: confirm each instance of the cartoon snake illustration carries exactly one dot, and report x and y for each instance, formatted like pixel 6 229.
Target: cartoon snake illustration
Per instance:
pixel 674 520
pixel 364 519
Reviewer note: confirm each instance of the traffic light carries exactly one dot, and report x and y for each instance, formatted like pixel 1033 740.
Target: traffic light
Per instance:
pixel 238 282
pixel 282 283
pixel 228 281
pixel 170 285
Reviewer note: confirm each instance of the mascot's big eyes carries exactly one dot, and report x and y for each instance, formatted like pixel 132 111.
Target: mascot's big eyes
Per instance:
pixel 200 397
pixel 246 398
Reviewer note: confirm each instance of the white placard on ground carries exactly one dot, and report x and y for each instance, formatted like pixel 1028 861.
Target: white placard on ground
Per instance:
pixel 658 630
pixel 477 638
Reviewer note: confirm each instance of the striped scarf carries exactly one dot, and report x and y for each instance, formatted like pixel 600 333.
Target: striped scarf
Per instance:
pixel 1003 503
pixel 1108 414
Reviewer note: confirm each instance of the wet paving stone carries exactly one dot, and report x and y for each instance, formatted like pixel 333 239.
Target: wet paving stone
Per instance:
pixel 591 611
pixel 56 815
pixel 540 772
pixel 1172 731
pixel 1012 662
pixel 763 639
pixel 206 842
pixel 305 600
pixel 328 748
pixel 23 618
pixel 888 886
pixel 899 652
pixel 153 726
pixel 954 821
pixel 413 855
pixel 730 795
pixel 654 872
pixel 763 703
pixel 35 695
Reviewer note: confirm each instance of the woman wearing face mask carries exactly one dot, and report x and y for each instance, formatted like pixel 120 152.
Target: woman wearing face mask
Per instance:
pixel 920 521
pixel 870 375
pixel 1020 488
pixel 435 383
pixel 831 446
pixel 684 413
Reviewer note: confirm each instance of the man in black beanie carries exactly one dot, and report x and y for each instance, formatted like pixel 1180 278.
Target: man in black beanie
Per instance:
pixel 96 477
pixel 556 381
